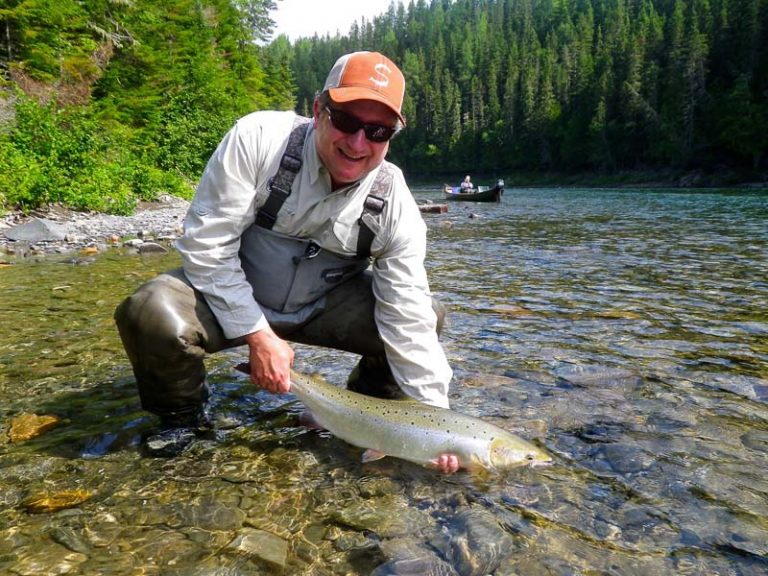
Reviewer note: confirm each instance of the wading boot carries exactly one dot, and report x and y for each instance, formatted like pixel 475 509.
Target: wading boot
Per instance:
pixel 177 432
pixel 373 377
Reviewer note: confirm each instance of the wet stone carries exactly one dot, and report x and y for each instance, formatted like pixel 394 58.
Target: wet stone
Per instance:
pixel 474 543
pixel 370 486
pixel 162 547
pixel 405 558
pixel 27 426
pixel 212 516
pixel 70 539
pixel 41 503
pixel 266 546
pixel 45 562
pixel 627 459
pixel 756 440
pixel 152 248
pixel 10 494
pixel 353 541
pixel 208 538
pixel 103 530
pixel 386 516
pixel 37 230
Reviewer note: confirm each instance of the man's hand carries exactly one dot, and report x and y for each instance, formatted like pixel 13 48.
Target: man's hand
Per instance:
pixel 271 359
pixel 446 463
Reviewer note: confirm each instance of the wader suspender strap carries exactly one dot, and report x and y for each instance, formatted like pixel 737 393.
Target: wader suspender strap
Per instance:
pixel 279 186
pixel 374 204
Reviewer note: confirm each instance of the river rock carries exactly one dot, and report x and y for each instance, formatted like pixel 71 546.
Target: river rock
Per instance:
pixel 388 516
pixel 26 426
pixel 267 546
pixel 152 248
pixel 41 503
pixel 70 539
pixel 475 543
pixel 37 230
pixel 46 562
pixel 426 564
pixel 406 557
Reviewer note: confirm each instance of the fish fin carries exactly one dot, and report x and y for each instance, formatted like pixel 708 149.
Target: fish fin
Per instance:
pixel 372 455
pixel 476 466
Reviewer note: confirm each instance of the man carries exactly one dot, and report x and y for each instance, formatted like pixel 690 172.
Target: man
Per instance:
pixel 298 231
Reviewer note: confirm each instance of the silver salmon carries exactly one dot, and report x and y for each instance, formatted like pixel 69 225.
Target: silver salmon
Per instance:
pixel 412 430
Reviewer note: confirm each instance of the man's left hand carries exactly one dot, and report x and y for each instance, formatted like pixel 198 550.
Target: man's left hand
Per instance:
pixel 447 463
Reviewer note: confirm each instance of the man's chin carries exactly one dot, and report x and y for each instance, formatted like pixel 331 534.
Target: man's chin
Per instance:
pixel 348 177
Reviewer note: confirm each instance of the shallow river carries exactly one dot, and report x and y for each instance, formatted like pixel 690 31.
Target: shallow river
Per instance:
pixel 626 331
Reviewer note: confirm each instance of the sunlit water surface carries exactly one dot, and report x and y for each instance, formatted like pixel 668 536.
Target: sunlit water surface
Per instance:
pixel 626 331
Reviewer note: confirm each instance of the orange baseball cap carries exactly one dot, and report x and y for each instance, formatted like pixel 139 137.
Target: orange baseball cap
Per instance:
pixel 367 76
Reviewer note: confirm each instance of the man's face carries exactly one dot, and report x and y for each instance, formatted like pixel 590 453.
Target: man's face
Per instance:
pixel 349 157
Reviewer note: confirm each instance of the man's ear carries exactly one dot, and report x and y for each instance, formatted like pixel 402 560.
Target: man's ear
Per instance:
pixel 316 109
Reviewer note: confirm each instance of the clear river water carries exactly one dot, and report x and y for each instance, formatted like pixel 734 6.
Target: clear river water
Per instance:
pixel 624 330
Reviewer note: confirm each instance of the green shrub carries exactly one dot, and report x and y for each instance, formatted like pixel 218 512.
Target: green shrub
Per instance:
pixel 21 178
pixel 64 155
pixel 102 188
pixel 148 182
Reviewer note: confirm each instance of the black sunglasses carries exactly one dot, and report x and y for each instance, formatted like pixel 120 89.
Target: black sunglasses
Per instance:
pixel 350 125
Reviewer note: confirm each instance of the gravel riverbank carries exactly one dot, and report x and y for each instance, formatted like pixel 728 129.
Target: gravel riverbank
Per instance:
pixel 58 230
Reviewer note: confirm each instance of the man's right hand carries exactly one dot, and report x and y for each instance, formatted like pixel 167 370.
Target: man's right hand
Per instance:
pixel 271 359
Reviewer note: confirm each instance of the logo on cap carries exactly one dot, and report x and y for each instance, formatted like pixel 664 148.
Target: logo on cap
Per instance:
pixel 367 76
pixel 382 70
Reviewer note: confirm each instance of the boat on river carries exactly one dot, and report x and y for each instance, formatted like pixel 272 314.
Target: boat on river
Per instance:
pixel 479 194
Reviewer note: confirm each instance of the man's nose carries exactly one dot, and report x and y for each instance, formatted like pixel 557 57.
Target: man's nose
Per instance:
pixel 358 139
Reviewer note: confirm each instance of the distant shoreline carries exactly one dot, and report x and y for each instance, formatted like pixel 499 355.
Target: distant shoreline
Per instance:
pixel 629 179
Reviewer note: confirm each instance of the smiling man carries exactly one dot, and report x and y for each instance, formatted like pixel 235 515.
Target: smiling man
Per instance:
pixel 299 231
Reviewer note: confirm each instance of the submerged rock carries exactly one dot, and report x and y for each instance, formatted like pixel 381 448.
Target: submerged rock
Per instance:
pixel 425 564
pixel 264 545
pixel 476 544
pixel 387 516
pixel 472 543
pixel 152 248
pixel 41 503
pixel 26 426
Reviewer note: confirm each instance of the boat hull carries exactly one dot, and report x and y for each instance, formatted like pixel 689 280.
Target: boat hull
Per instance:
pixel 492 194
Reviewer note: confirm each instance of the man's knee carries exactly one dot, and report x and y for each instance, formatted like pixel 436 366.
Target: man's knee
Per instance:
pixel 158 318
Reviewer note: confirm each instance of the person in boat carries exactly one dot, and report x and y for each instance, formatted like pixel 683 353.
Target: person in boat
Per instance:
pixel 466 185
pixel 299 231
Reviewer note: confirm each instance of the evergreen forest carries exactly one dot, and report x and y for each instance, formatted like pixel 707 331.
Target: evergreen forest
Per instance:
pixel 104 103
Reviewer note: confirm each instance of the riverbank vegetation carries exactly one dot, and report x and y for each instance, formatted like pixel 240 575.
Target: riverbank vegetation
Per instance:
pixel 106 102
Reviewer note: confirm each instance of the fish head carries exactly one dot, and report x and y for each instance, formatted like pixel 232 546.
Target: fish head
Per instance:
pixel 505 453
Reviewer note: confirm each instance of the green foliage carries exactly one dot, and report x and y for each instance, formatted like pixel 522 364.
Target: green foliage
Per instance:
pixel 21 177
pixel 123 101
pixel 600 85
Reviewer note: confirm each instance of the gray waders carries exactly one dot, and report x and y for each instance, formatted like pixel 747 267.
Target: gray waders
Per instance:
pixel 167 328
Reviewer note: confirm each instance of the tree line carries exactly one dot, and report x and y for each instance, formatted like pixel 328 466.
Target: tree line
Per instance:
pixel 105 102
pixel 570 85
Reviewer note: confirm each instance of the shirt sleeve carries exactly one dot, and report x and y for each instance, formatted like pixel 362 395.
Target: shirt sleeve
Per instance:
pixel 222 209
pixel 404 314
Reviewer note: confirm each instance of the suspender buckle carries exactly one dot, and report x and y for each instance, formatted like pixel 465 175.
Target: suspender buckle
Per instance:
pixel 290 162
pixel 273 187
pixel 375 204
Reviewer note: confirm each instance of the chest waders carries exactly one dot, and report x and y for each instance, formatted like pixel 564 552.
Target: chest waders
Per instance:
pixel 167 328
pixel 290 276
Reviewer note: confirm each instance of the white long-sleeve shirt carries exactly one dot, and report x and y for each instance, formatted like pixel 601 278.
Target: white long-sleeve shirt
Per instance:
pixel 233 187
